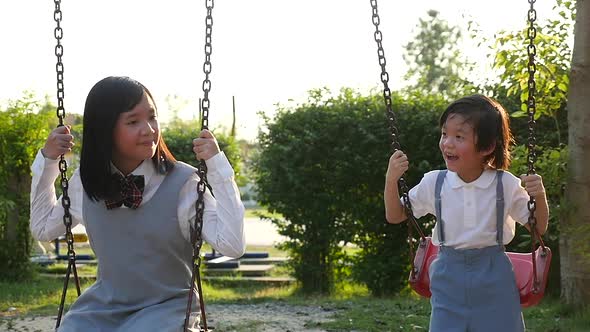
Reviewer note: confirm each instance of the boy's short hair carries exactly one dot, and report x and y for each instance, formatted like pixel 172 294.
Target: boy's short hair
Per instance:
pixel 490 124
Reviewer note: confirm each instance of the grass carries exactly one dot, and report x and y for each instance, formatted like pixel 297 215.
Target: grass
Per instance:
pixel 257 212
pixel 412 313
pixel 354 309
pixel 40 296
pixel 61 268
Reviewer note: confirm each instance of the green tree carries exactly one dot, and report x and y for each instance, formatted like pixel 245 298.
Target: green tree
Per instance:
pixel 434 58
pixel 23 130
pixel 552 59
pixel 299 174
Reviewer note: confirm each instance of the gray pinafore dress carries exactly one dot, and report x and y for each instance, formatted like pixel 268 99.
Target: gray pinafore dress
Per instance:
pixel 473 289
pixel 144 265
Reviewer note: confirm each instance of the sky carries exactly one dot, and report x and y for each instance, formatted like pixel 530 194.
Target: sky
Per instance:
pixel 265 52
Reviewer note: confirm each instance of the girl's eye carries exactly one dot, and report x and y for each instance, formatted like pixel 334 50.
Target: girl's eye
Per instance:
pixel 132 122
pixel 459 137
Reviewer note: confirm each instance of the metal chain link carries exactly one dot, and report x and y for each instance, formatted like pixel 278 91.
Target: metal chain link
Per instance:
pixel 532 141
pixel 59 67
pixel 395 145
pixel 207 64
pixel 394 132
pixel 532 87
pixel 196 230
pixel 63 165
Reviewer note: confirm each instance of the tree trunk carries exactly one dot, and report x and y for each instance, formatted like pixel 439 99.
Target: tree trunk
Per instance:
pixel 575 226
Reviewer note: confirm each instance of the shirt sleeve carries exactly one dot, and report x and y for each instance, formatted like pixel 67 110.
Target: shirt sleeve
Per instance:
pixel 518 210
pixel 223 218
pixel 422 196
pixel 46 210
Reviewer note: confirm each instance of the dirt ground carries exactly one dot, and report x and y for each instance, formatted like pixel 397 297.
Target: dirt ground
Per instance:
pixel 261 317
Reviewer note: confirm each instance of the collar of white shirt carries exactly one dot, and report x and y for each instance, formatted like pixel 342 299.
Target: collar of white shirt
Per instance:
pixel 483 181
pixel 146 168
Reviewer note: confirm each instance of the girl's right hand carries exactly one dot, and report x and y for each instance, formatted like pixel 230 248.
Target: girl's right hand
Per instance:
pixel 398 165
pixel 59 142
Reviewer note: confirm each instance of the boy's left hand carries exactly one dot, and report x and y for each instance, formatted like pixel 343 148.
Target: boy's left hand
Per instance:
pixel 533 184
pixel 205 146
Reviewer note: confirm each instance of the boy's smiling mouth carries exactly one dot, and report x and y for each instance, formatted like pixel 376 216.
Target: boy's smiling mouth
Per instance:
pixel 451 157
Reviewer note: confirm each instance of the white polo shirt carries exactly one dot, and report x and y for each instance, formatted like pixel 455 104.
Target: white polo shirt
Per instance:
pixel 469 209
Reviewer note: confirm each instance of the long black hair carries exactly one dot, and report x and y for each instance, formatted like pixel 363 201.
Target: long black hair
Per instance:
pixel 106 100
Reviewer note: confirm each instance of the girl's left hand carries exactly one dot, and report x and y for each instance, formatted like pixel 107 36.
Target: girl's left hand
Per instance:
pixel 533 184
pixel 205 146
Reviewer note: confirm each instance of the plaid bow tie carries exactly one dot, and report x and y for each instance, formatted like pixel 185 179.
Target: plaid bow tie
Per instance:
pixel 130 191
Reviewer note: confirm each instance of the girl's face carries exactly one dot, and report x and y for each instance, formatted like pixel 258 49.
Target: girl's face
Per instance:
pixel 458 147
pixel 136 135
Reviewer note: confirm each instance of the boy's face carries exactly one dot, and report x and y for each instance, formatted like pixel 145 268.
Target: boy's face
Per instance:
pixel 136 135
pixel 458 146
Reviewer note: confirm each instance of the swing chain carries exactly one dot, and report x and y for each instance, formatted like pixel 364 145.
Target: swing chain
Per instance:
pixel 531 102
pixel 395 145
pixel 394 132
pixel 202 169
pixel 207 64
pixel 59 67
pixel 532 87
pixel 196 229
pixel 531 144
pixel 197 241
pixel 63 165
pixel 61 113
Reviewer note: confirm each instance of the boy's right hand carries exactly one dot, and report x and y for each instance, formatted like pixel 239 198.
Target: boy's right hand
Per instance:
pixel 60 141
pixel 398 165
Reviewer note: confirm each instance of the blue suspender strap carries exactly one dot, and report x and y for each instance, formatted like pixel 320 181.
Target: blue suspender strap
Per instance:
pixel 500 208
pixel 437 205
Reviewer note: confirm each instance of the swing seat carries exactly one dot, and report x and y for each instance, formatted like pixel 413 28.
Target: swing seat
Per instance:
pixel 419 278
pixel 531 294
pixel 524 267
pixel 521 263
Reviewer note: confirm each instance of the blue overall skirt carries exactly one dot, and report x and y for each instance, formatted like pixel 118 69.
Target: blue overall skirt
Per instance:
pixel 473 289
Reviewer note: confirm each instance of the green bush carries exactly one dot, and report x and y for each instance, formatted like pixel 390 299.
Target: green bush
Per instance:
pixel 179 136
pixel 23 130
pixel 383 262
pixel 322 167
pixel 304 173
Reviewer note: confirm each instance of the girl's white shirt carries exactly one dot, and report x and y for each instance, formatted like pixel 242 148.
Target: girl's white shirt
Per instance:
pixel 223 218
pixel 469 209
